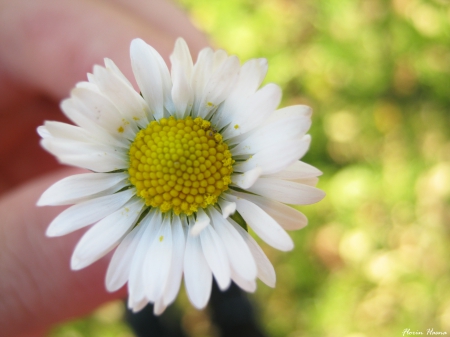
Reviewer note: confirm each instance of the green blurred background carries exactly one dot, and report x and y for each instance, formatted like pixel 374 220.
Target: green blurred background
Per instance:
pixel 374 259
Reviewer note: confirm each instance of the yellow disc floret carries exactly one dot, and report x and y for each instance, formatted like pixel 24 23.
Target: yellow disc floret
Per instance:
pixel 180 165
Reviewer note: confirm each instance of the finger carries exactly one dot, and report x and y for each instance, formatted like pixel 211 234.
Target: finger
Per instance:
pixel 165 16
pixel 37 287
pixel 51 44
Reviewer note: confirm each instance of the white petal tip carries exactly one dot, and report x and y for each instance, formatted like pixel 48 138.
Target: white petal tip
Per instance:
pixel 224 285
pixel 228 210
pixel 51 233
pixel 248 178
pixel 41 202
pixel 271 284
pixel 77 263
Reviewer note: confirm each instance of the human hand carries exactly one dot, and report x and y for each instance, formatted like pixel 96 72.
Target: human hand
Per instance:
pixel 46 47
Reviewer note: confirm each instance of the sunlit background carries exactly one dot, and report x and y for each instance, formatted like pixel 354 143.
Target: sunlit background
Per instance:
pixel 375 257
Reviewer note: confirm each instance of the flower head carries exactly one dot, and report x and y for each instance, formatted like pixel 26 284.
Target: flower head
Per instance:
pixel 178 172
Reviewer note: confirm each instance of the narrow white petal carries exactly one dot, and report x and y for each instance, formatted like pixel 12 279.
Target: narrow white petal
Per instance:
pixel 256 109
pixel 65 131
pixel 287 191
pixel 119 267
pixel 298 170
pixel 43 132
pixel 88 85
pixel 280 130
pixel 289 218
pixel 241 260
pixel 219 86
pixel 176 266
pixel 87 212
pixel 136 304
pixel 136 287
pixel 150 75
pixel 182 67
pixel 159 307
pixel 182 55
pixel 94 162
pixel 200 74
pixel 250 78
pixel 247 285
pixel 201 222
pixel 276 157
pixel 216 256
pixel 105 235
pixel 77 187
pixel 62 147
pixel 102 111
pixel 130 104
pixel 307 181
pixel 266 272
pixel 197 274
pixel 157 262
pixel 228 208
pixel 75 115
pixel 264 225
pixel 248 178
pixel 109 64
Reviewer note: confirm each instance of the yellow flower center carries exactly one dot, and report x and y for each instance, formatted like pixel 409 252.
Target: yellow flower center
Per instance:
pixel 180 165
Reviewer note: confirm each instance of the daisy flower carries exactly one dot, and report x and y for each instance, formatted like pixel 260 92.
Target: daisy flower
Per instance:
pixel 178 171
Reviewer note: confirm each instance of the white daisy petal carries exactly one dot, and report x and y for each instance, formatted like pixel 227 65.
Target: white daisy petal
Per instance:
pixel 102 111
pixel 62 147
pixel 136 287
pixel 256 108
pixel 298 170
pixel 201 222
pixel 130 104
pixel 266 272
pixel 250 78
pixel 280 130
pixel 287 217
pixel 65 131
pixel 182 67
pixel 120 265
pixel 216 256
pixel 152 76
pixel 87 212
pixel 157 262
pixel 136 305
pixel 248 285
pixel 241 260
pixel 219 86
pixel 197 274
pixel 247 179
pixel 287 191
pixel 159 307
pixel 307 181
pixel 228 208
pixel 105 235
pixel 176 266
pixel 77 187
pixel 97 162
pixel 200 72
pixel 264 225
pixel 72 112
pixel 276 157
pixel 88 85
pixel 110 65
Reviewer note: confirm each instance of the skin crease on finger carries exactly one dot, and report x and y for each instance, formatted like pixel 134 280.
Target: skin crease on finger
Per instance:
pixel 46 47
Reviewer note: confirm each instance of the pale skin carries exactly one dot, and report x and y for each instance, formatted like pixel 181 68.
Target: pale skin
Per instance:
pixel 46 46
